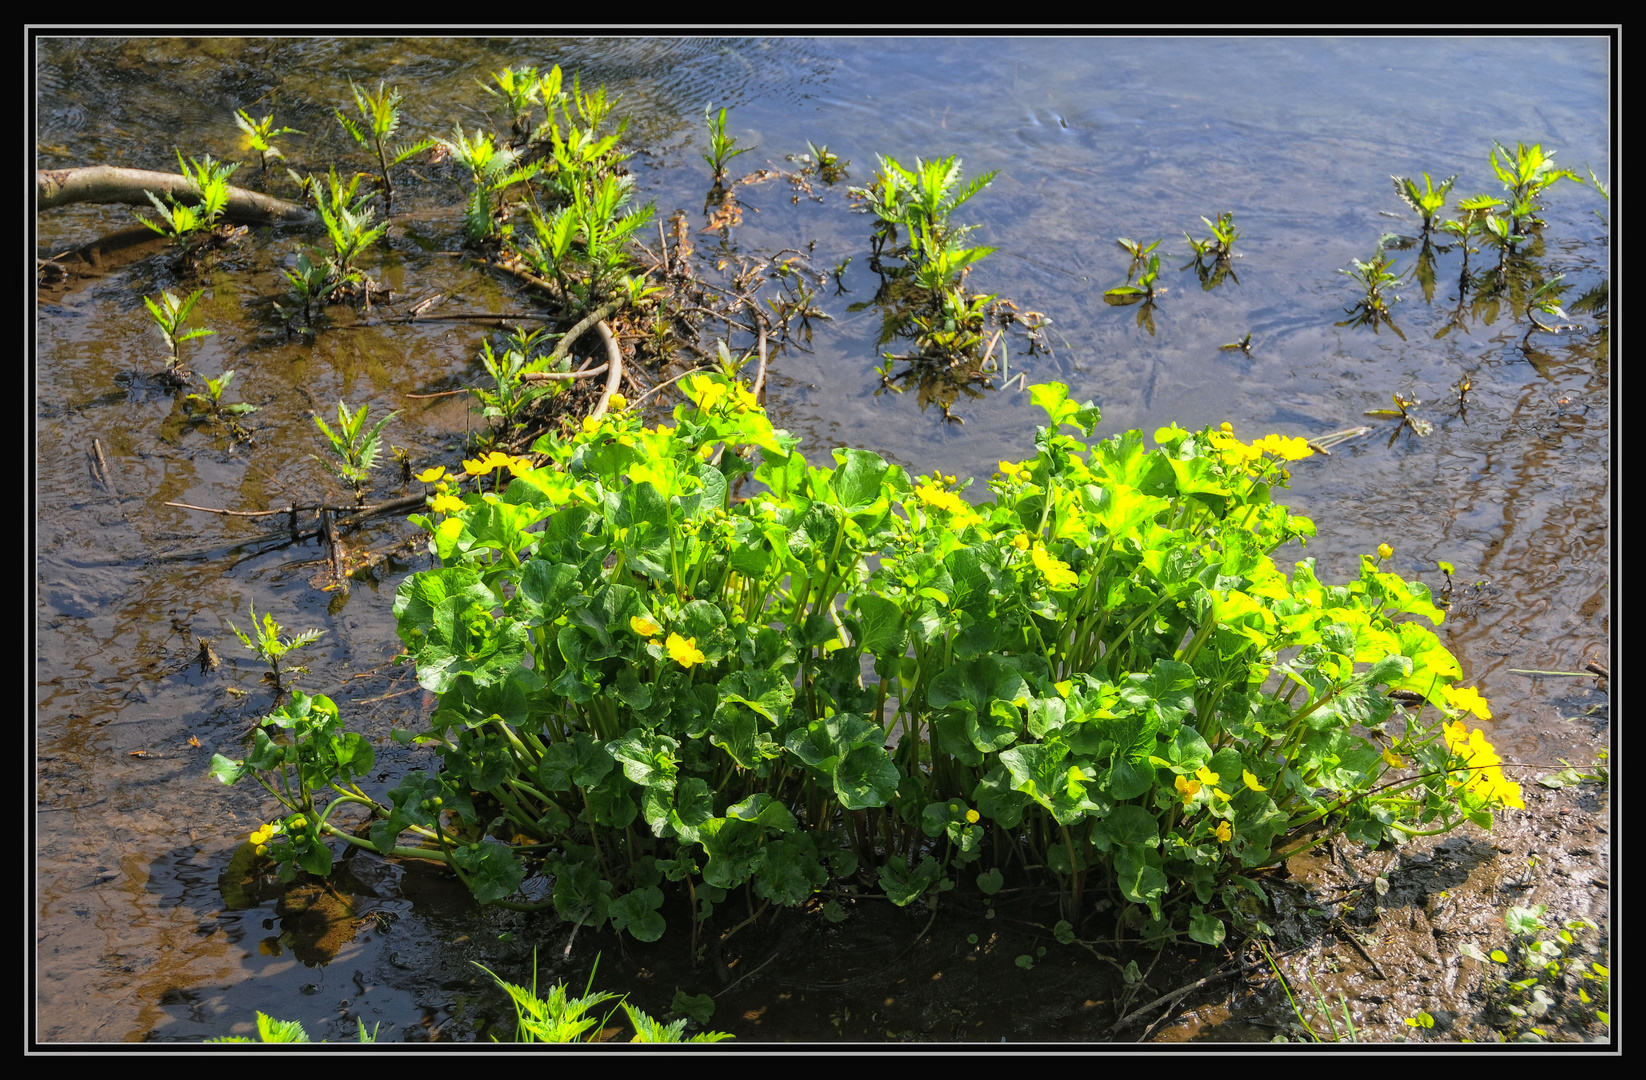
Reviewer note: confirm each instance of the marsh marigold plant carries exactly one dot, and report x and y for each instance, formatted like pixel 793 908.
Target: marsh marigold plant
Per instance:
pixel 689 654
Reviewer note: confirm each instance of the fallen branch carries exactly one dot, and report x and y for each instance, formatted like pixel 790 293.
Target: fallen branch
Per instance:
pixel 614 362
pixel 111 184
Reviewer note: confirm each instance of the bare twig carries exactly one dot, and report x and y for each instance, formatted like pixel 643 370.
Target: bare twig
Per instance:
pixel 1171 998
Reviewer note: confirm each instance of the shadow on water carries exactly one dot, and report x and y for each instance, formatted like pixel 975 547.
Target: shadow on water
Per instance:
pixel 147 926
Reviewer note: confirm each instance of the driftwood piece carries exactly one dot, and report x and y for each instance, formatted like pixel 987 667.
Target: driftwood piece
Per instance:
pixel 110 184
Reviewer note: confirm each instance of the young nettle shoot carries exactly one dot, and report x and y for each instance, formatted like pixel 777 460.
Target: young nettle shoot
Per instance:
pixel 1375 279
pixel 1220 245
pixel 170 315
pixel 1138 252
pixel 720 144
pixel 211 403
pixel 354 447
pixel 519 89
pixel 259 134
pixel 1146 283
pixel 210 180
pixel 380 119
pixel 349 227
pixel 310 282
pixel 1212 255
pixel 1546 298
pixel 512 394
pixel 830 169
pixel 1526 174
pixel 492 171
pixel 1428 201
pixel 266 643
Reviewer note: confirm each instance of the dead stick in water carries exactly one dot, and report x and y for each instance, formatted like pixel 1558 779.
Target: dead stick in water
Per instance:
pixel 111 184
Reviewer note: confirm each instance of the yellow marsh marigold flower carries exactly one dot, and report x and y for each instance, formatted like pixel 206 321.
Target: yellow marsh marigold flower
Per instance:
pixel 1234 452
pixel 1056 571
pixel 445 504
pixel 617 402
pixel 591 423
pixel 1220 793
pixel 684 651
pixel 932 495
pixel 429 476
pixel 520 466
pixel 973 817
pixel 1188 789
pixel 1251 780
pixel 493 460
pixel 1384 551
pixel 644 626
pixel 1224 833
pixel 1021 541
pixel 1467 699
pixel 1395 760
pixel 1282 447
pixel 1206 776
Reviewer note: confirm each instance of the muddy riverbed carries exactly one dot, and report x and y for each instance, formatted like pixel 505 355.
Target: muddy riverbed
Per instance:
pixel 147 930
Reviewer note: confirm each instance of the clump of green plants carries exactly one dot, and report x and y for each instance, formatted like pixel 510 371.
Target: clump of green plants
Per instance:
pixel 925 298
pixel 1549 983
pixel 211 405
pixel 348 221
pixel 643 680
pixel 210 180
pixel 1428 201
pixel 561 1017
pixel 1213 256
pixel 260 135
pixel 1146 265
pixel 510 393
pixel 266 642
pixel 270 1030
pixel 722 147
pixel 379 120
pixel 171 316
pixel 1377 282
pixel 354 447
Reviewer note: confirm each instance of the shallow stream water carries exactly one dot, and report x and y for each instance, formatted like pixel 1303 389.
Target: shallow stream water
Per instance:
pixel 1092 139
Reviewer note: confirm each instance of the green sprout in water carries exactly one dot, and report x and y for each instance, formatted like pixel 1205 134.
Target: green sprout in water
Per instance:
pixel 1429 201
pixel 210 180
pixel 170 315
pixel 830 169
pixel 266 642
pixel 259 134
pixel 1526 174
pixel 380 119
pixel 1376 280
pixel 349 227
pixel 720 144
pixel 354 447
pixel 211 404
